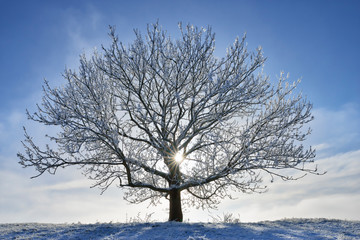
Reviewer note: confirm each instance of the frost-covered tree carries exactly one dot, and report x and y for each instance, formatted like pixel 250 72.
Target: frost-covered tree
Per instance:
pixel 164 118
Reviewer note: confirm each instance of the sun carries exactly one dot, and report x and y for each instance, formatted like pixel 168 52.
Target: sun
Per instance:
pixel 178 157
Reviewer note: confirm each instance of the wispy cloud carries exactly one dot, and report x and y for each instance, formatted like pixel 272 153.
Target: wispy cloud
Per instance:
pixel 85 31
pixel 333 195
pixel 336 130
pixel 66 197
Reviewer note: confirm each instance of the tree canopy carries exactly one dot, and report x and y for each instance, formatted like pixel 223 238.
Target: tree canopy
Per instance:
pixel 163 116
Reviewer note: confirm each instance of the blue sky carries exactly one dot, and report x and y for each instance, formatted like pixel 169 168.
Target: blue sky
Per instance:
pixel 317 41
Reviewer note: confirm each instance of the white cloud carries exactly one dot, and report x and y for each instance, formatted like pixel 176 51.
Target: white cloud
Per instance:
pixel 333 195
pixel 66 197
pixel 322 146
pixel 336 131
pixel 329 206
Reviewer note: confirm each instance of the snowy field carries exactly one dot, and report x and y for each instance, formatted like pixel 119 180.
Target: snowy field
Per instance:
pixel 284 229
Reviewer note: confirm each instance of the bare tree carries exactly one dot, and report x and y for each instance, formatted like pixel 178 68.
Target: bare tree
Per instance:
pixel 163 117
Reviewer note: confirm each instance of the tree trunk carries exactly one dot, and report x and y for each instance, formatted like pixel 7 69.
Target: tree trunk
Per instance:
pixel 175 213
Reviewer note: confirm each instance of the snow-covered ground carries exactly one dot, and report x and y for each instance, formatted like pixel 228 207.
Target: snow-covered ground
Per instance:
pixel 284 229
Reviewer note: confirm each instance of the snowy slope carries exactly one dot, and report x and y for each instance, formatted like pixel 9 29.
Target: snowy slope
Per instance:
pixel 284 229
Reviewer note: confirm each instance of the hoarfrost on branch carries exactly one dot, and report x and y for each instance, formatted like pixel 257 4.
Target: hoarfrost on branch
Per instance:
pixel 128 111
